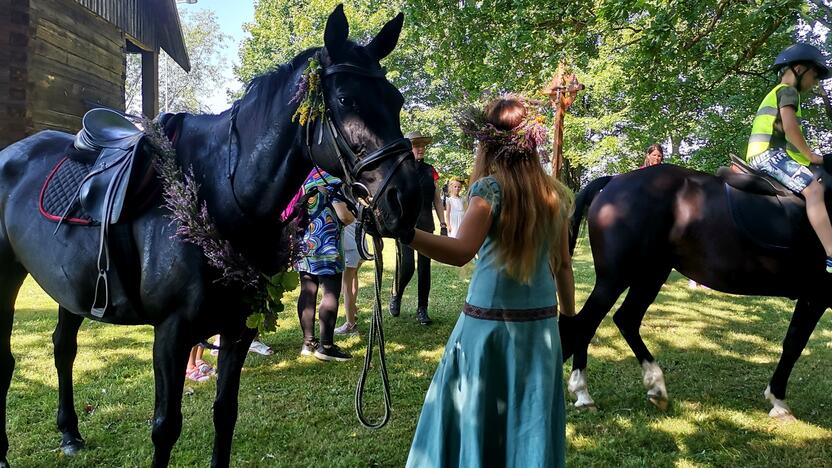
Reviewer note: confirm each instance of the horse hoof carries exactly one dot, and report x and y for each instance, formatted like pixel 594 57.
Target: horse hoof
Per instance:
pixel 782 415
pixel 589 407
pixel 659 402
pixel 70 449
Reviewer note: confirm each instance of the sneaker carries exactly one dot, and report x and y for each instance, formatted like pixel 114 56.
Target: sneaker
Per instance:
pixel 829 264
pixel 205 368
pixel 259 347
pixel 422 316
pixel 332 353
pixel 395 305
pixel 308 347
pixel 347 329
pixel 195 375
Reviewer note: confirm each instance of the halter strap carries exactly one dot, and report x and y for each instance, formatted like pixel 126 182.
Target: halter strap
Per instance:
pixel 353 69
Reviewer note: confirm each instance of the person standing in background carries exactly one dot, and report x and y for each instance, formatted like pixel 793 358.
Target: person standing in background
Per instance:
pixel 431 201
pixel 455 207
pixel 655 155
pixel 349 284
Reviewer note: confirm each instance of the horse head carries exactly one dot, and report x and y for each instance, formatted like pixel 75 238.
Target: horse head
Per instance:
pixel 358 135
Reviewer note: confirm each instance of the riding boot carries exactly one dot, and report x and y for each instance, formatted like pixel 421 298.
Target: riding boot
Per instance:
pixel 395 305
pixel 422 316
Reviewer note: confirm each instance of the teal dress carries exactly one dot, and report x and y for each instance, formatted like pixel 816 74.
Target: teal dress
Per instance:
pixel 497 396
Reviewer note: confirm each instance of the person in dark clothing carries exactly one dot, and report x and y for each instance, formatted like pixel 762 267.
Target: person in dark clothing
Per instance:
pixel 431 201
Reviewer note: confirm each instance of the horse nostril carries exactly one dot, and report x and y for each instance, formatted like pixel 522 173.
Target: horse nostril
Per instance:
pixel 394 202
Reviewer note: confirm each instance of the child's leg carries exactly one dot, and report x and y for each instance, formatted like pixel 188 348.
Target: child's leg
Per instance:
pixel 818 216
pixel 350 289
pixel 306 305
pixel 328 309
pixel 192 358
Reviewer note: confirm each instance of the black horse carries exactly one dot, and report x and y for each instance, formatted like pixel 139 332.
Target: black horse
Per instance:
pixel 249 162
pixel 644 223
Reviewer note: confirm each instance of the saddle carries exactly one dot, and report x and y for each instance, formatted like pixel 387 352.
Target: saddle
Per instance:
pixel 769 214
pixel 107 178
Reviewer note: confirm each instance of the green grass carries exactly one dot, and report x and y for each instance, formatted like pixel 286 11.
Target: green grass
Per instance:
pixel 717 352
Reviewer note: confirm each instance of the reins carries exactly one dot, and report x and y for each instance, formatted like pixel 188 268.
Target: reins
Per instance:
pixel 376 334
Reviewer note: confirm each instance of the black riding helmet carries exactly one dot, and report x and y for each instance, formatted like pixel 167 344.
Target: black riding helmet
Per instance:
pixel 803 53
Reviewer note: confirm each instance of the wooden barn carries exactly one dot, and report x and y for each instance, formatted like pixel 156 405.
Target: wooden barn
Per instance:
pixel 59 58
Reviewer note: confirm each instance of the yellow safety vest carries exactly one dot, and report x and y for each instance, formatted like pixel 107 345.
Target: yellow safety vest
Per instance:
pixel 763 128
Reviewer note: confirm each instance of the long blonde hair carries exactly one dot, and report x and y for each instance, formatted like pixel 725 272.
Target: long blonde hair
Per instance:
pixel 534 205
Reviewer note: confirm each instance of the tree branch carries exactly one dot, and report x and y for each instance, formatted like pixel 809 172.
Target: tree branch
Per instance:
pixel 621 28
pixel 720 9
pixel 810 19
pixel 750 52
pixel 627 44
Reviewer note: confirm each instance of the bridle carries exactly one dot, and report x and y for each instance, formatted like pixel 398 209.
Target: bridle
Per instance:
pixel 331 137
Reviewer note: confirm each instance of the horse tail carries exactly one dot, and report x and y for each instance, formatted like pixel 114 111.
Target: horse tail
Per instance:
pixel 582 203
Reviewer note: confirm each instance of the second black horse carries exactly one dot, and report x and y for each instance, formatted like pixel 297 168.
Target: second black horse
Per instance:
pixel 645 223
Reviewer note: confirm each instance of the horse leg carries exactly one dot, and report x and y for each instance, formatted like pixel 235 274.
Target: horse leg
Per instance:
pixel 228 389
pixel 11 278
pixel 65 340
pixel 603 296
pixel 806 315
pixel 171 346
pixel 628 318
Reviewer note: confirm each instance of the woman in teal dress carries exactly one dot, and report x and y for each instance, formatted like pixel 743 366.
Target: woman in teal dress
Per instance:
pixel 497 396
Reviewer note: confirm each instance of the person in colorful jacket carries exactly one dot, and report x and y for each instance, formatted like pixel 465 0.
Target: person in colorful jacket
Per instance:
pixel 777 146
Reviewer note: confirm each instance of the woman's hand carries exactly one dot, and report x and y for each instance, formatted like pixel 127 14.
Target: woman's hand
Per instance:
pixel 460 250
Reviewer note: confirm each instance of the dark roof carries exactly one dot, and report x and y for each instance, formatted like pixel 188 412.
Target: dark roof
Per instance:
pixel 155 23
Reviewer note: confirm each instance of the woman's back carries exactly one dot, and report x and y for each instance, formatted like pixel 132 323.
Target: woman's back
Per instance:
pixel 491 285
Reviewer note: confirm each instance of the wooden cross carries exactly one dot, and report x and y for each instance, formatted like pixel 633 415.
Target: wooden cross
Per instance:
pixel 562 92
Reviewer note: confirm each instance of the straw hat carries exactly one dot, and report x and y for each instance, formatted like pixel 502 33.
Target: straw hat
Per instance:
pixel 417 139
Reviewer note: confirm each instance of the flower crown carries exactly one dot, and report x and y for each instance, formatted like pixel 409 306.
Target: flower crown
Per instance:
pixel 521 141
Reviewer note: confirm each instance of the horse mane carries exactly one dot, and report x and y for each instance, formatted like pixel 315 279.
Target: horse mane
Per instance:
pixel 270 81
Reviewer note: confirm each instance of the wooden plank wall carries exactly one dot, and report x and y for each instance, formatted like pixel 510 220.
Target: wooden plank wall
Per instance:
pixel 14 38
pixel 76 61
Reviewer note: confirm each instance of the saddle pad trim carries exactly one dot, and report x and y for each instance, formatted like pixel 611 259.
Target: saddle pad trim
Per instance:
pixel 49 216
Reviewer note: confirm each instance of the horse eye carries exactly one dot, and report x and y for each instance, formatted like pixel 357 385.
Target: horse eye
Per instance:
pixel 346 101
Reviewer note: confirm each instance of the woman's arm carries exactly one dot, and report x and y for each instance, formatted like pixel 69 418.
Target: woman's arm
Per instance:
pixel 792 130
pixel 460 250
pixel 564 277
pixel 447 211
pixel 343 213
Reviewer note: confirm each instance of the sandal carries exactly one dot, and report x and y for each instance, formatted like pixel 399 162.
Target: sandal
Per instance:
pixel 195 375
pixel 205 368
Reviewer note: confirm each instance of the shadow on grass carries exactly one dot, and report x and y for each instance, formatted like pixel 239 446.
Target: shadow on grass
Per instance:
pixel 717 352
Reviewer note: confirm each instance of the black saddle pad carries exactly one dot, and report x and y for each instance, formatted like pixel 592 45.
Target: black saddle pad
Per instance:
pixel 770 221
pixel 60 190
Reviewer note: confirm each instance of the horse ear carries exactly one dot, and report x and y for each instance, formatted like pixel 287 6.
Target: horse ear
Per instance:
pixel 387 38
pixel 337 31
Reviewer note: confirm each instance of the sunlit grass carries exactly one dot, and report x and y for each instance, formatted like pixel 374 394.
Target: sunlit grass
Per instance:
pixel 717 352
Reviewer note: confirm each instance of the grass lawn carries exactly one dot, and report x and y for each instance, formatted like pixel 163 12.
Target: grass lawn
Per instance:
pixel 717 352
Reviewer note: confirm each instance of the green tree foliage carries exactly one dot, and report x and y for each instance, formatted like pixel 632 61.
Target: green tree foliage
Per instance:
pixel 180 91
pixel 686 74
